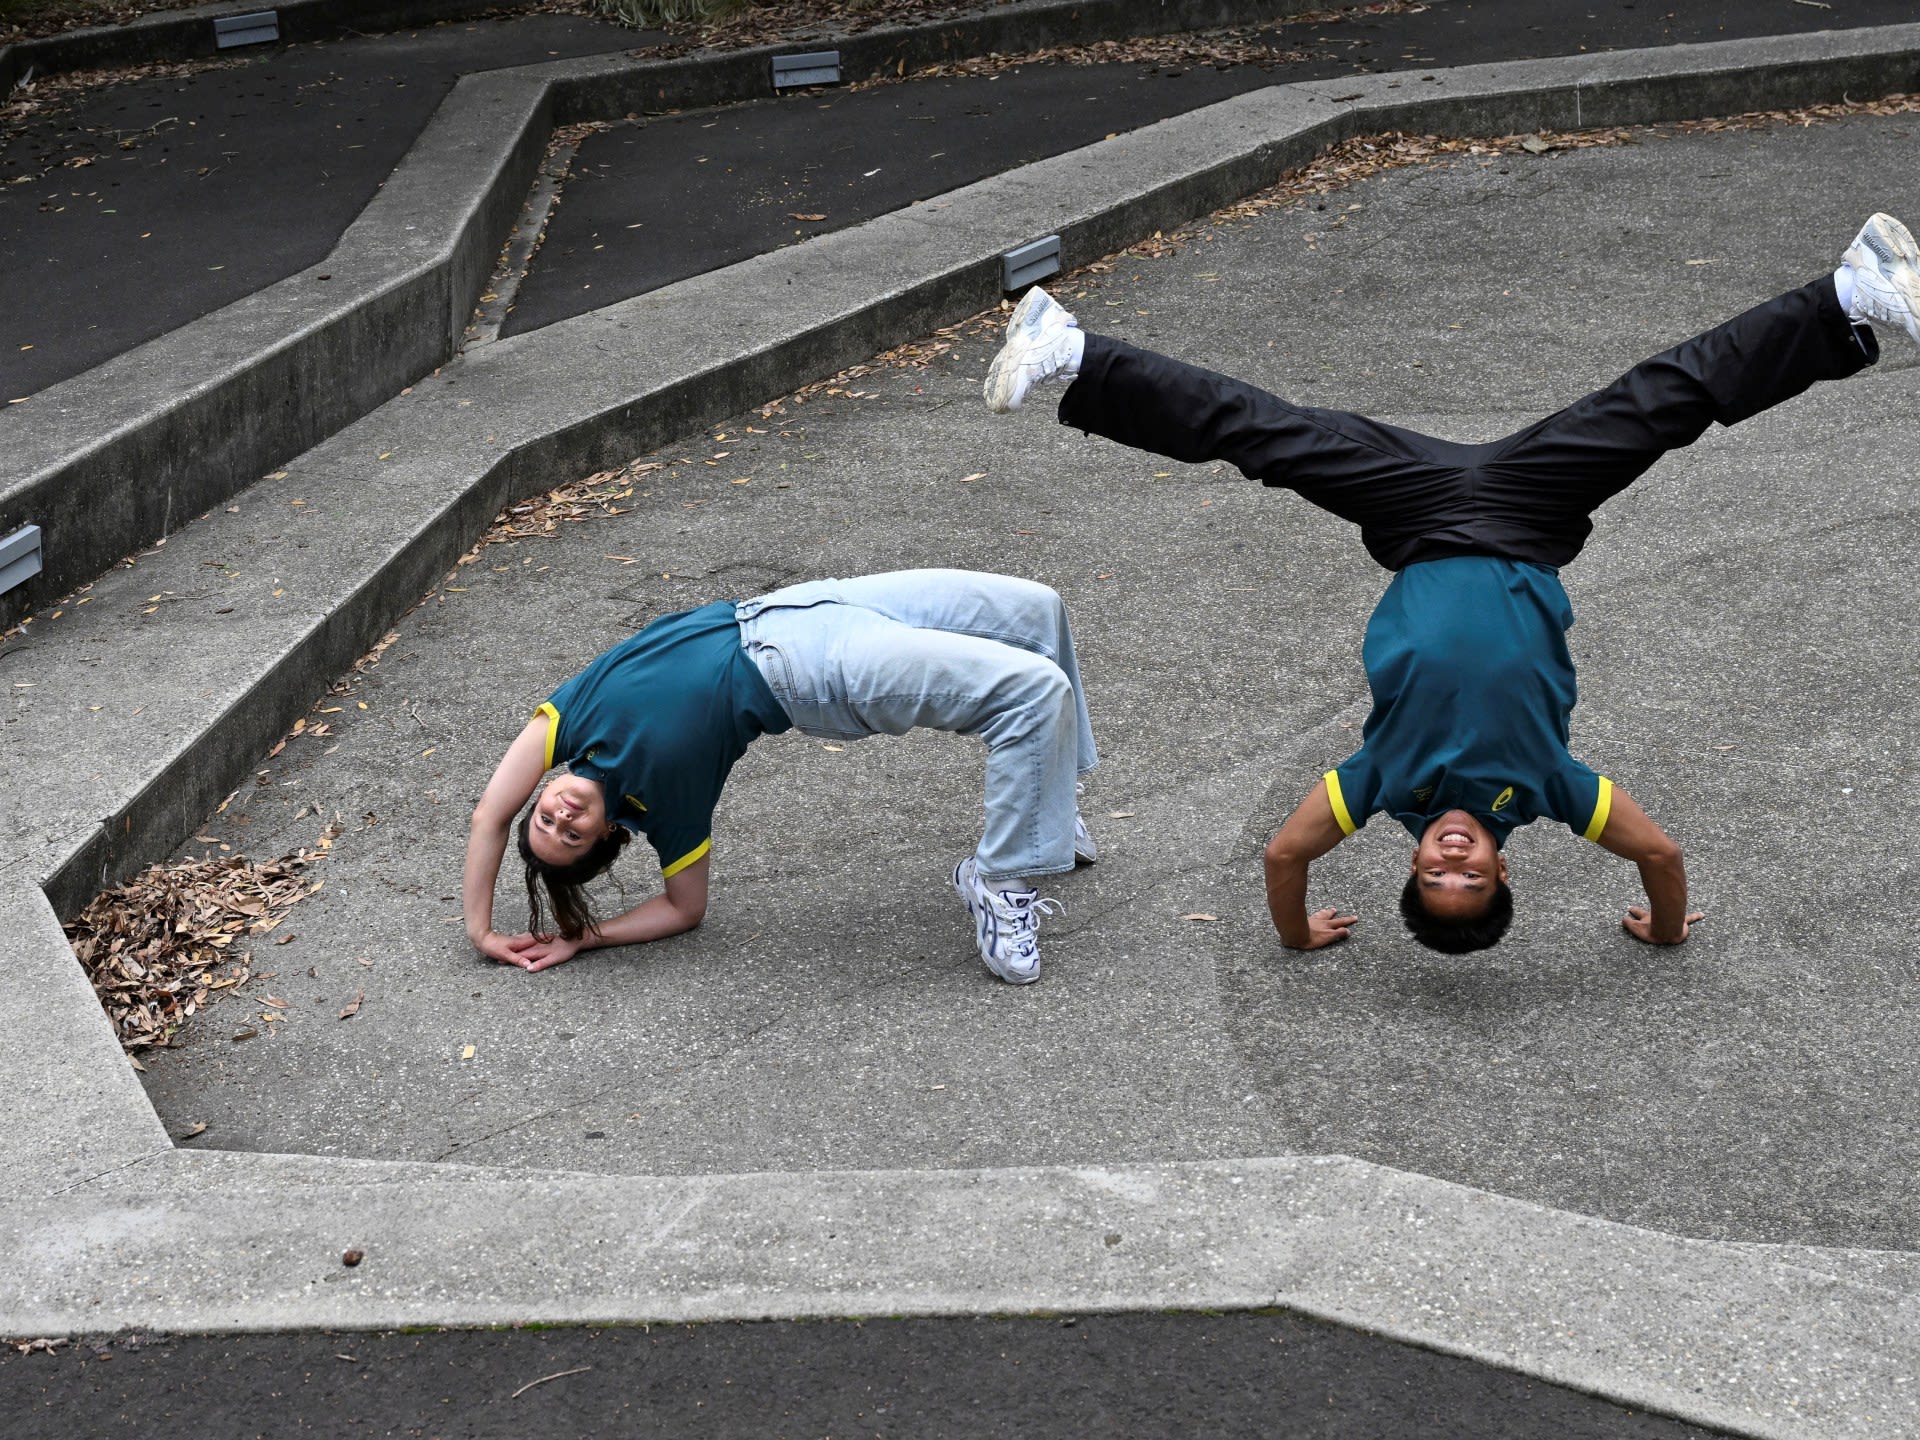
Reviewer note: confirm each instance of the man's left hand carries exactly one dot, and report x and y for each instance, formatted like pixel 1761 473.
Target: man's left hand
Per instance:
pixel 1639 924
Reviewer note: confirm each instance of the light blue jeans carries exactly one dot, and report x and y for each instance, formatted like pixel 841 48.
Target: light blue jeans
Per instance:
pixel 984 655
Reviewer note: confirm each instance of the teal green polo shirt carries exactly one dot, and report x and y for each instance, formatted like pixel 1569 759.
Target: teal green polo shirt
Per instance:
pixel 659 721
pixel 1472 689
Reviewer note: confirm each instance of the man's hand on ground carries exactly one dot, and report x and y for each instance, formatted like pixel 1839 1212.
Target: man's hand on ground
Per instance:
pixel 1639 924
pixel 1326 927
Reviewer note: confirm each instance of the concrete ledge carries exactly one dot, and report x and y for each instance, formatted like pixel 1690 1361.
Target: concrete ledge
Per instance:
pixel 1697 1331
pixel 77 1110
pixel 201 412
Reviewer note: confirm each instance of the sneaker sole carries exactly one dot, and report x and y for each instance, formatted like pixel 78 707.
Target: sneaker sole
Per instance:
pixel 1003 374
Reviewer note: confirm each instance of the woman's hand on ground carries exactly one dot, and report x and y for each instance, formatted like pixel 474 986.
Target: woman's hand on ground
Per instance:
pixel 528 952
pixel 504 949
pixel 542 952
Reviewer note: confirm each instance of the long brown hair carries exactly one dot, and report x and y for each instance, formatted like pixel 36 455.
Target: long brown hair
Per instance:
pixel 566 885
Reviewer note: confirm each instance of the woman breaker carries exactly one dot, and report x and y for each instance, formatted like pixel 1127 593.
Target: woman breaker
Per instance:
pixel 649 731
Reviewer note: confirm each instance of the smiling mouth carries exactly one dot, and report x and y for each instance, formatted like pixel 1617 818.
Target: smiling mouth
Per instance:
pixel 1456 837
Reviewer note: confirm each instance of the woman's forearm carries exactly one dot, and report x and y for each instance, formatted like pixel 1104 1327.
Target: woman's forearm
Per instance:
pixel 486 845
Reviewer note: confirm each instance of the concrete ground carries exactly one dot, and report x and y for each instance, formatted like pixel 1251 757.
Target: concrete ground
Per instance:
pixel 1747 1087
pixel 819 1103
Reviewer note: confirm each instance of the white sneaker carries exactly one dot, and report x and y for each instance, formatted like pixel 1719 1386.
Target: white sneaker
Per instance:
pixel 1085 852
pixel 1006 923
pixel 1043 343
pixel 1886 275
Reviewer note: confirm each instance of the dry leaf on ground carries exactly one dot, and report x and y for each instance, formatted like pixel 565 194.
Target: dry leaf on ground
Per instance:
pixel 158 947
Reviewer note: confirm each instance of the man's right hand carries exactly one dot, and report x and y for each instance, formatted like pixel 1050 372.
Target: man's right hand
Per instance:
pixel 1326 927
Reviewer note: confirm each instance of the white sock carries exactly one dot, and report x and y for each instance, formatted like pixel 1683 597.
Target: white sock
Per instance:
pixel 1077 349
pixel 1843 287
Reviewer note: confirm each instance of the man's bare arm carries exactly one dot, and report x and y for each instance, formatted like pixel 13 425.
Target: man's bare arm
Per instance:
pixel 1310 832
pixel 1631 834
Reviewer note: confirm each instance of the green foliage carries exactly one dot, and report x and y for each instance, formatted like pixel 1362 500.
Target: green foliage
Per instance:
pixel 652 14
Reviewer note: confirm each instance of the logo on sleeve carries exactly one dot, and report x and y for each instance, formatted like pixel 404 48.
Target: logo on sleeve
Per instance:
pixel 1502 800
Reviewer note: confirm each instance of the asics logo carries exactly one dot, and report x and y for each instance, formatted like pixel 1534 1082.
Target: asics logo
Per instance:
pixel 1501 801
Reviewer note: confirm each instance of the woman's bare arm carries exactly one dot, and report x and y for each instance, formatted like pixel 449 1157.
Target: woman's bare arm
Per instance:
pixel 513 783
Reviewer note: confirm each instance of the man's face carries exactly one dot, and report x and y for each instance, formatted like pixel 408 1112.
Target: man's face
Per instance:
pixel 1457 866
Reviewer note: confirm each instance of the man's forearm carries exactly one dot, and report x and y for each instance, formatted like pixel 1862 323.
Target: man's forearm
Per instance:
pixel 1287 900
pixel 1666 882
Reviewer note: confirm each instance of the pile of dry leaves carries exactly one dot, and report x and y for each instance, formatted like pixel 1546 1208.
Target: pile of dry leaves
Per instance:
pixel 161 945
pixel 541 516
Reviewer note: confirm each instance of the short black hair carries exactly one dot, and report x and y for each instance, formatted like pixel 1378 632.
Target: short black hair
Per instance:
pixel 1456 937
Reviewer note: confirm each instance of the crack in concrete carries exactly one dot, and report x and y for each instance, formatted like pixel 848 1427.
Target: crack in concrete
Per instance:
pixel 111 1170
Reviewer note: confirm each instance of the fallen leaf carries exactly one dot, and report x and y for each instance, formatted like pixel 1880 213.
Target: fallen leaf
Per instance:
pixel 795 215
pixel 977 475
pixel 466 1052
pixel 283 939
pixel 1199 915
pixel 191 1131
pixel 244 1035
pixel 1121 814
pixel 353 1006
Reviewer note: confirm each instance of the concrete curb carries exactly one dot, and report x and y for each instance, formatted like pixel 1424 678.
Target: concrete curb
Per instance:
pixel 1716 1334
pixel 1693 1330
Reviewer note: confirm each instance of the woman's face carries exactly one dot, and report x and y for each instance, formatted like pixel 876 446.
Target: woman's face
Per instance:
pixel 569 815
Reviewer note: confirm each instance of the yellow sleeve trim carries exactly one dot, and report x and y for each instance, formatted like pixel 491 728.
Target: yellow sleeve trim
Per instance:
pixel 1602 808
pixel 553 728
pixel 699 852
pixel 1335 798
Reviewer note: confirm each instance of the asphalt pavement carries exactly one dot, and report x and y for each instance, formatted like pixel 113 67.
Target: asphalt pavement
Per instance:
pixel 1112 1375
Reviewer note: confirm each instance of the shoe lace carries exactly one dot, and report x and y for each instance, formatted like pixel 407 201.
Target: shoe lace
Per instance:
pixel 1021 909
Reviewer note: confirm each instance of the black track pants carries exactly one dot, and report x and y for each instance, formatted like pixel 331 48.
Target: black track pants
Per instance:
pixel 1526 497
